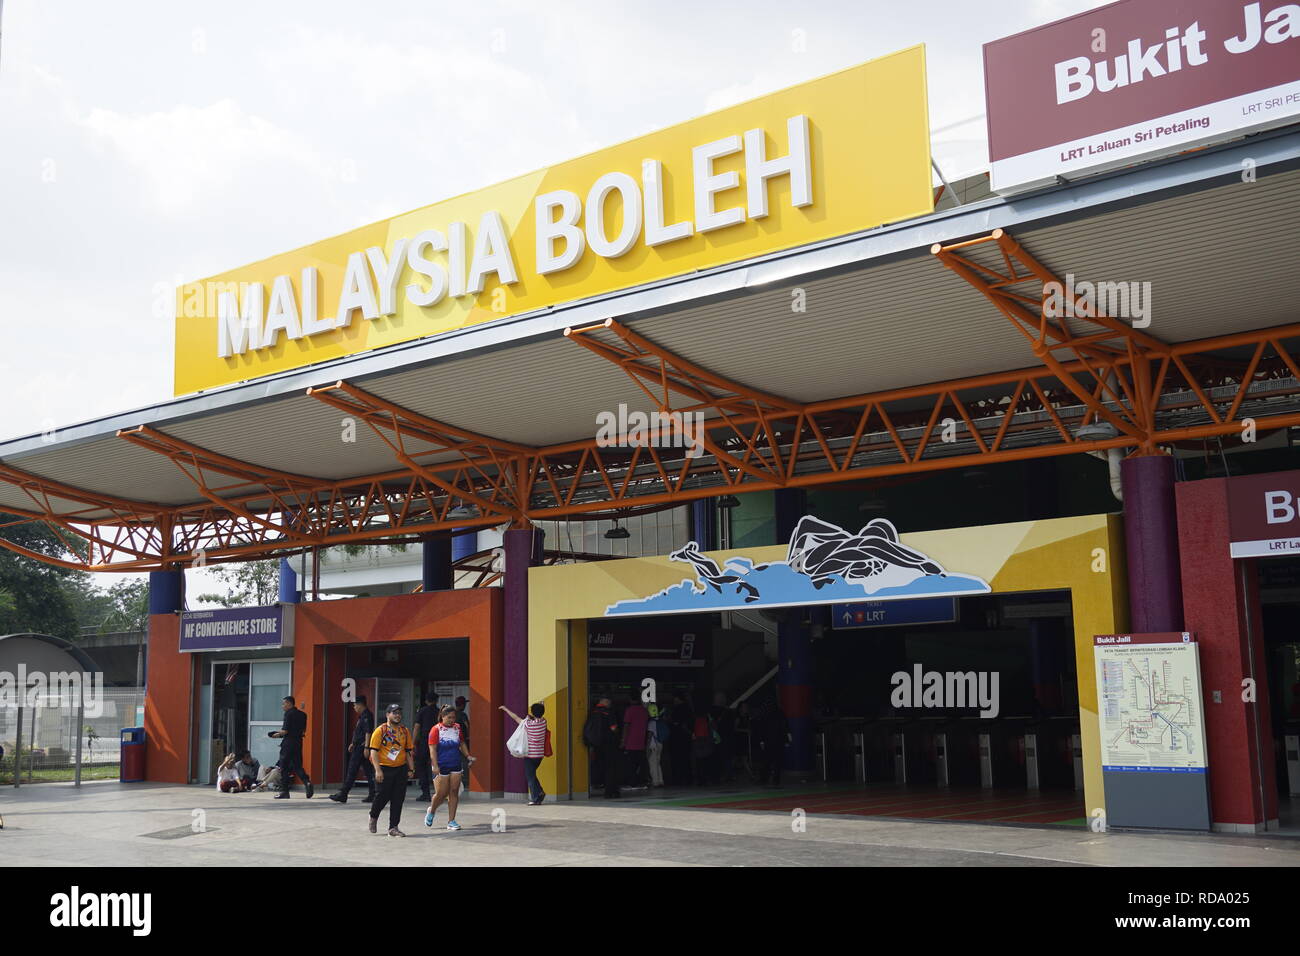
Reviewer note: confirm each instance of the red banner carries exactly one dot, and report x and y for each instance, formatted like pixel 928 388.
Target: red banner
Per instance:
pixel 1136 79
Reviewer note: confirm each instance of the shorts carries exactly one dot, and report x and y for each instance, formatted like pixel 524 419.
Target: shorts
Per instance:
pixel 450 769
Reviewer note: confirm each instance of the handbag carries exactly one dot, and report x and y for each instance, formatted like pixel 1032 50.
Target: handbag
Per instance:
pixel 518 742
pixel 547 751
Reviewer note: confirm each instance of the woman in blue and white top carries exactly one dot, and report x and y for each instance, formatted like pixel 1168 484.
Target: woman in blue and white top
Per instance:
pixel 450 756
pixel 535 727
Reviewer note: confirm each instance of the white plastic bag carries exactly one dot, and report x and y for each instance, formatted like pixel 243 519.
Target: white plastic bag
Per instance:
pixel 518 742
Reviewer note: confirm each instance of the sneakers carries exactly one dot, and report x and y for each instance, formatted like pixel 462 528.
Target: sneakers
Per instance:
pixel 428 818
pixel 282 795
pixel 393 831
pixel 339 797
pixel 310 789
pixel 540 799
pixel 374 825
pixel 453 825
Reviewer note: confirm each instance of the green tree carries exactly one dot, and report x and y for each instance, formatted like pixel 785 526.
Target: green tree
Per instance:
pixel 40 598
pixel 125 607
pixel 248 583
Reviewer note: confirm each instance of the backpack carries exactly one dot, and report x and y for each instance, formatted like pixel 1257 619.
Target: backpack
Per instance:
pixel 663 730
pixel 593 731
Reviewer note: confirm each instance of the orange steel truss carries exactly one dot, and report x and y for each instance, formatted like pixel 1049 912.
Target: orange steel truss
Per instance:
pixel 484 567
pixel 1092 367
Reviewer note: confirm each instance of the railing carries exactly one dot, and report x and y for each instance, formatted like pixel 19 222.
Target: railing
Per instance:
pixel 42 744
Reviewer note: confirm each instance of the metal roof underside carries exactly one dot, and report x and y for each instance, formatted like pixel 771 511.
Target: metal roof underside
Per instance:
pixel 1217 252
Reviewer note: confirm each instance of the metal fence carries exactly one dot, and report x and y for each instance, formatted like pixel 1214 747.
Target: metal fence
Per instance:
pixel 52 730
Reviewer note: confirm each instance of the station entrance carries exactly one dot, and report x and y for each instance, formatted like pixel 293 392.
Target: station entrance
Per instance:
pixel 1279 594
pixel 240 706
pixel 972 715
pixel 402 673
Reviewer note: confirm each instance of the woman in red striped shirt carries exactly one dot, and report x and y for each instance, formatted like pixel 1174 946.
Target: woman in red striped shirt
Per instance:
pixel 535 727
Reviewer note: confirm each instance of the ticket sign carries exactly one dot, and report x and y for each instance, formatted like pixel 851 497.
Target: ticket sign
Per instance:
pixel 833 156
pixel 1136 80
pixel 1263 513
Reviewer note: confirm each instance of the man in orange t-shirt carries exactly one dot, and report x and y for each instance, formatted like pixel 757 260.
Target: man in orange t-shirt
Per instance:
pixel 390 752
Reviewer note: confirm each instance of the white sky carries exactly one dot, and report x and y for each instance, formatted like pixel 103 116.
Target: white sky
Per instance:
pixel 147 143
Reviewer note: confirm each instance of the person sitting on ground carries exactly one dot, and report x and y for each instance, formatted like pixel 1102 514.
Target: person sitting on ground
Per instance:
pixel 228 779
pixel 269 778
pixel 249 767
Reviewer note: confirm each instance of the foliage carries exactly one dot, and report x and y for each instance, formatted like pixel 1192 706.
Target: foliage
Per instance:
pixel 122 606
pixel 249 583
pixel 40 598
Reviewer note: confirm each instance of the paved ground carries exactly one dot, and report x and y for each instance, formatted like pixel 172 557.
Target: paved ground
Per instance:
pixel 150 824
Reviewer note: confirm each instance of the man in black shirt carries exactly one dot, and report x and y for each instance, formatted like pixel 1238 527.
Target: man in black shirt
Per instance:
pixel 425 718
pixel 601 733
pixel 359 753
pixel 291 733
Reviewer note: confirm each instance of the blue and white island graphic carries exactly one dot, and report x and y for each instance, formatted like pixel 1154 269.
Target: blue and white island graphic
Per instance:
pixel 825 564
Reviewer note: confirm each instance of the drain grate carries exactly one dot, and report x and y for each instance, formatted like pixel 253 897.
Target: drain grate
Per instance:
pixel 175 833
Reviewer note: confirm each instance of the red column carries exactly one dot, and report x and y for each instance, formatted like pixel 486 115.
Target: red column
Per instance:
pixel 1221 606
pixel 487 693
pixel 168 703
pixel 336 715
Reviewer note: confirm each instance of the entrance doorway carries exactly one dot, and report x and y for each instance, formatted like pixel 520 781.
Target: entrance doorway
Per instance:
pixel 246 706
pixel 1279 594
pixel 402 673
pixel 1008 750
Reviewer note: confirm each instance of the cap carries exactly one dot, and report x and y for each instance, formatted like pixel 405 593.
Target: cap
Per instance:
pixel 394 709
pixel 460 701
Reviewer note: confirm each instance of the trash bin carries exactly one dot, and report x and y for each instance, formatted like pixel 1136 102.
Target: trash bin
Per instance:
pixel 132 770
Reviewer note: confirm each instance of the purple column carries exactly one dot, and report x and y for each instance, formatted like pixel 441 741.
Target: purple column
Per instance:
pixel 520 551
pixel 288 583
pixel 794 650
pixel 1155 591
pixel 704 523
pixel 435 563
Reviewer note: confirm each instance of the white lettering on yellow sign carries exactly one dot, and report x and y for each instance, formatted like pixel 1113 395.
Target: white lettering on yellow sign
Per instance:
pixel 446 264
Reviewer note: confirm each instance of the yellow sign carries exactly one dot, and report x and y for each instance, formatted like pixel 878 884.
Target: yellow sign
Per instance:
pixel 833 156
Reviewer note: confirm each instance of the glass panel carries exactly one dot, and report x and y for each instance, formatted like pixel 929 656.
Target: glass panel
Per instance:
pixel 228 730
pixel 272 672
pixel 265 749
pixel 202 771
pixel 265 704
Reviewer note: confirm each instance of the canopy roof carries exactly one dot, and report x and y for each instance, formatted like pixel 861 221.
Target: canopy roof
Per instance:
pixel 831 362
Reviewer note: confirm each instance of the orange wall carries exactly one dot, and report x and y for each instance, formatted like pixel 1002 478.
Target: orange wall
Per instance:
pixel 474 613
pixel 169 703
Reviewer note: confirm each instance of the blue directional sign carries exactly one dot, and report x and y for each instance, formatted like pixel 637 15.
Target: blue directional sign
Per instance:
pixel 932 610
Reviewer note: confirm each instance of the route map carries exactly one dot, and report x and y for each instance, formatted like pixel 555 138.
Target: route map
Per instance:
pixel 1150 707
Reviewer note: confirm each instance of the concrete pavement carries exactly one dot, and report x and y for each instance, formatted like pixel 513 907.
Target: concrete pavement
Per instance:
pixel 112 824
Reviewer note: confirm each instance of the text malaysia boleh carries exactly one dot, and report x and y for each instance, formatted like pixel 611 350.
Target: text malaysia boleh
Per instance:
pixel 843 153
pixel 372 277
